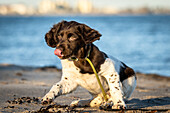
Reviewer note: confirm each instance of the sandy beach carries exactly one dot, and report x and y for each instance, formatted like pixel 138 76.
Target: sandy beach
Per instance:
pixel 21 89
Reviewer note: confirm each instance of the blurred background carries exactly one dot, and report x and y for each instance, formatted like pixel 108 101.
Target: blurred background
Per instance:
pixel 136 32
pixel 53 7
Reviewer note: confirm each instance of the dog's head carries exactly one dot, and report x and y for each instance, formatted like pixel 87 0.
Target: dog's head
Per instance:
pixel 69 37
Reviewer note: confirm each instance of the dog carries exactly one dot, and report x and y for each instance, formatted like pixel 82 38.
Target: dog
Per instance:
pixel 73 42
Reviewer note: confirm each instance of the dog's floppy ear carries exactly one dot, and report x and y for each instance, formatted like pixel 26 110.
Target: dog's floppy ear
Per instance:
pixel 89 35
pixel 51 37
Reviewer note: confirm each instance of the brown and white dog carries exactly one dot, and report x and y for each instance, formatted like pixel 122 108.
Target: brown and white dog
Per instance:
pixel 74 40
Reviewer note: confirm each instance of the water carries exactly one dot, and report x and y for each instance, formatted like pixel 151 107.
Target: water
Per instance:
pixel 142 42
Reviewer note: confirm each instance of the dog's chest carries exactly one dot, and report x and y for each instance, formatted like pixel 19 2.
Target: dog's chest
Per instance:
pixel 87 81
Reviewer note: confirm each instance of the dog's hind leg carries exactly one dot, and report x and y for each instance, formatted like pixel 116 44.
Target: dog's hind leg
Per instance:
pixel 93 102
pixel 80 103
pixel 97 101
pixel 128 86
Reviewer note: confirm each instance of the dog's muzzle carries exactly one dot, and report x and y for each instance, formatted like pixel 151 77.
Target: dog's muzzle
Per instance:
pixel 58 52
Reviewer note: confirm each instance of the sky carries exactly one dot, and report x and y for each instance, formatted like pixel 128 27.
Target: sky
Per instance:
pixel 103 3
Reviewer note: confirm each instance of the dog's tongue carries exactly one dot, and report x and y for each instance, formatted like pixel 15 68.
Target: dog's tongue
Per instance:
pixel 58 52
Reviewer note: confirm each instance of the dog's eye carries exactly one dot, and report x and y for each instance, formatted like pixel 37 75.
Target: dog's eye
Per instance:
pixel 71 37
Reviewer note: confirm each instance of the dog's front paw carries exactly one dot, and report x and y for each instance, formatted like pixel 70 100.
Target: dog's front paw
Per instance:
pixel 46 100
pixel 119 106
pixel 110 106
pixel 74 103
pixel 106 105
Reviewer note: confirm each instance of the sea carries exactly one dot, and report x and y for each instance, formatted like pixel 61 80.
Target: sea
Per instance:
pixel 140 41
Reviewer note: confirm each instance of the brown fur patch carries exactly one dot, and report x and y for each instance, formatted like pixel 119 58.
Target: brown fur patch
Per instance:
pixel 117 88
pixel 113 81
pixel 119 101
pixel 129 72
pixel 96 56
pixel 125 72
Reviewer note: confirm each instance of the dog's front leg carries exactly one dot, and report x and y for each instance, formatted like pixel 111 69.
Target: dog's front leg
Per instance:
pixel 63 87
pixel 115 91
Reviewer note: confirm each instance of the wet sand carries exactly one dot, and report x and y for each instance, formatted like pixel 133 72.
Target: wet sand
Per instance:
pixel 21 88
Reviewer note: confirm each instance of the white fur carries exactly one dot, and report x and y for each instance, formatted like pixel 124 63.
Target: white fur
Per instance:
pixel 128 86
pixel 71 78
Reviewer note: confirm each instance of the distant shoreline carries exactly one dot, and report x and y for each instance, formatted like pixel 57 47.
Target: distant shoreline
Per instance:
pixel 84 15
pixel 4 66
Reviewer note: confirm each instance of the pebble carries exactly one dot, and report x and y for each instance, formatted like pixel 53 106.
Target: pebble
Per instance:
pixel 9 107
pixel 19 74
pixel 22 100
pixel 57 108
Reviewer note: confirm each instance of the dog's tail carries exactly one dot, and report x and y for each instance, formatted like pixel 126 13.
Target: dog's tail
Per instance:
pixel 128 86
